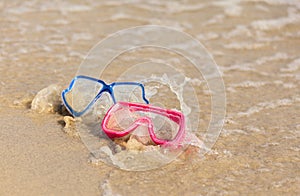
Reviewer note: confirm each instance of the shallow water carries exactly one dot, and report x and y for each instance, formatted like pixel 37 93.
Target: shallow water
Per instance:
pixel 256 45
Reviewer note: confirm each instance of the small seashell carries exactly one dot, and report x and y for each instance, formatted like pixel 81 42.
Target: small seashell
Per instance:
pixel 47 100
pixel 70 127
pixel 133 144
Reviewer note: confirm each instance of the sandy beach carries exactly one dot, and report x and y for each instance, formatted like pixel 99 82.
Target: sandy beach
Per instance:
pixel 256 46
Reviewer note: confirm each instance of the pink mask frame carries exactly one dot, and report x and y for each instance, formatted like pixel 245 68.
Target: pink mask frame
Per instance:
pixel 173 115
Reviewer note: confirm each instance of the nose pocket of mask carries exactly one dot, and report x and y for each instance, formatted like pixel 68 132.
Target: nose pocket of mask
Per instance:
pixel 102 104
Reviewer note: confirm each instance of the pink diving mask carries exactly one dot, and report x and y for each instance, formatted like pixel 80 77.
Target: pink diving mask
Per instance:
pixel 163 126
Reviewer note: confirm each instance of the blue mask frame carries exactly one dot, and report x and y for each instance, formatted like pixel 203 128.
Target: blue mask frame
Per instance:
pixel 106 88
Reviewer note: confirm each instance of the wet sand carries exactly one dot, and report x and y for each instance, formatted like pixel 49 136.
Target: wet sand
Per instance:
pixel 255 43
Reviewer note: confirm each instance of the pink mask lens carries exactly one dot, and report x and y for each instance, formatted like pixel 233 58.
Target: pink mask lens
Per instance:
pixel 162 125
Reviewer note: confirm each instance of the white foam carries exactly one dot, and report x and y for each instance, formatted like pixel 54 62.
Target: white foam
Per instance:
pixel 214 20
pixel 289 85
pixel 40 28
pixel 269 105
pixel 22 51
pixel 208 36
pixel 292 35
pixel 251 128
pixel 241 67
pixel 293 66
pixel 82 36
pixel 275 24
pixel 256 84
pixel 231 8
pixel 228 132
pixel 294 3
pixel 21 9
pixel 64 7
pixel 244 45
pixel 260 61
pixel 121 15
pixel 57 39
pixel 239 30
pixel 75 8
pixel 276 57
pixel 61 22
pixel 247 84
pixel 46 48
pixel 196 81
pixel 58 42
pixel 262 36
pixel 177 7
pixel 172 23
pixel 171 7
pixel 270 144
pixel 177 89
pixel 77 54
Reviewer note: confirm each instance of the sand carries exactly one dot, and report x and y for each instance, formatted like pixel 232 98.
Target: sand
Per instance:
pixel 256 45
